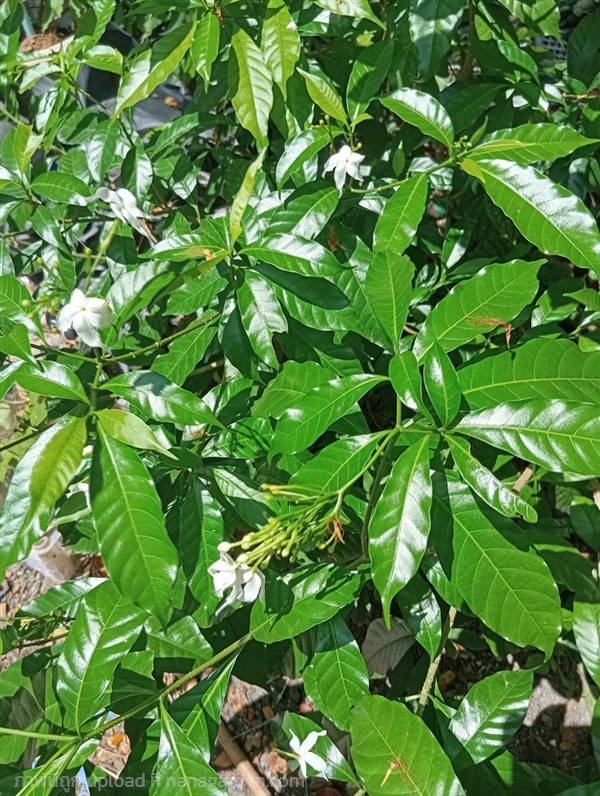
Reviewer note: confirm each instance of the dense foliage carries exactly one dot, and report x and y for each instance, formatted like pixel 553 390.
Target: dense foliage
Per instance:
pixel 338 364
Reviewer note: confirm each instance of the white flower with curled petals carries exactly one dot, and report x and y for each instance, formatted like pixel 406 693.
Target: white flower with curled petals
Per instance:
pixel 85 316
pixel 245 583
pixel 123 205
pixel 344 163
pixel 304 754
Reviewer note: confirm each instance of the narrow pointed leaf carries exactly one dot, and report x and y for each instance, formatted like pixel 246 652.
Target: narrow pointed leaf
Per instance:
pixel 280 43
pixel 530 143
pixel 422 111
pixel 53 380
pixel 205 46
pixel 441 383
pixel 129 429
pixel 251 86
pixel 389 288
pixel 402 214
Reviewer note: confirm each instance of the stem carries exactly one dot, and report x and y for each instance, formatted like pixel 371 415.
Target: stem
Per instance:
pixel 163 342
pixel 397 183
pixel 376 492
pixel 101 253
pixel 43 736
pixel 74 355
pixel 433 666
pixel 26 438
pixel 96 382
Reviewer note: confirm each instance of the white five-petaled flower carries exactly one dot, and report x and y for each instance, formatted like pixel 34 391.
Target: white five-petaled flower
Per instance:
pixel 85 316
pixel 123 205
pixel 345 162
pixel 245 583
pixel 304 754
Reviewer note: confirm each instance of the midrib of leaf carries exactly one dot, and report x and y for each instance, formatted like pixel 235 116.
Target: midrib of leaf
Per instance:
pixel 175 748
pixel 532 380
pixel 405 773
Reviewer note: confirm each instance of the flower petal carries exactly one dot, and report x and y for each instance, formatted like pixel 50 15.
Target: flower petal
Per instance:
pixel 353 170
pixel 86 332
pixel 101 313
pixel 64 321
pixel 339 175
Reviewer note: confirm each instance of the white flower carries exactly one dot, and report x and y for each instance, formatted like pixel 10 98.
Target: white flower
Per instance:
pixel 305 755
pixel 123 205
pixel 85 316
pixel 342 163
pixel 244 582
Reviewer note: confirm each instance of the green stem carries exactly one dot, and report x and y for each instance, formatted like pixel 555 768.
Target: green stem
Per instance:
pixel 74 355
pixel 376 492
pixel 96 382
pixel 42 736
pixel 163 342
pixel 433 666
pixel 101 253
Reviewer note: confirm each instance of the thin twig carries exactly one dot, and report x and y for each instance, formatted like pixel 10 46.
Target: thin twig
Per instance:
pixel 433 666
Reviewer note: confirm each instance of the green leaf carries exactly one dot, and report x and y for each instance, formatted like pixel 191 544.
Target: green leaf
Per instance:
pixel 250 86
pixel 396 753
pixel 300 149
pixel 63 599
pixel 422 111
pixel 588 297
pixel 323 94
pixel 312 415
pixel 397 225
pixel 491 713
pixel 441 383
pixel 483 561
pixel 243 196
pixel 40 479
pixel 583 51
pixel 368 73
pixel 136 550
pixel 195 294
pixel 183 356
pixel 14 341
pixel 422 614
pixel 182 639
pixel 389 289
pixel 130 429
pixel 406 381
pixel 262 316
pixel 542 16
pixel 548 215
pixel 360 9
pixel 552 369
pixel 432 24
pixel 8 376
pixel 153 66
pixel 485 484
pixel 495 295
pixel 180 761
pixel 52 379
pixel 332 764
pixel 301 599
pixel 104 630
pixel 12 295
pixel 293 253
pixel 530 143
pixel 337 675
pixel 399 525
pixel 338 464
pixel 58 187
pixel 205 46
pixel 293 381
pixel 515 55
pixel 559 435
pixel 280 43
pixel 586 628
pixel 158 398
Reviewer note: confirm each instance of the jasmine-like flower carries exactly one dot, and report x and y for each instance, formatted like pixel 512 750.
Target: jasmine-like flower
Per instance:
pixel 123 205
pixel 85 316
pixel 245 583
pixel 345 162
pixel 304 754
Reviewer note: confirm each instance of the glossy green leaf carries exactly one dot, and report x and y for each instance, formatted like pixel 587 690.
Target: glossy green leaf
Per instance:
pixel 293 253
pixel 321 406
pixel 368 72
pixel 14 341
pixel 530 143
pixel 195 294
pixel 338 464
pixel 432 24
pixel 559 435
pixel 542 16
pixel 13 294
pixel 301 599
pixel 586 628
pixel 399 524
pixel 243 196
pixel 299 150
pixel 293 381
pixel 250 86
pixel 494 295
pixel 552 369
pixel 152 66
pixel 486 564
pixel 485 484
pixel 422 614
pixel 359 9
pixel 406 381
pixel 52 379
pixel 396 753
pixel 138 555
pixel 8 375
pixel 324 95
pixel 63 599
pixel 261 315
pixel 180 761
pixel 40 479
pixel 183 356
pixel 548 215
pixel 491 712
pixel 337 675
pixel 205 46
pixel 280 43
pixel 58 187
pixel 182 639
pixel 130 429
pixel 389 289
pixel 105 628
pixel 158 398
pixel 402 214
pixel 441 383
pixel 422 111
pixel 583 51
